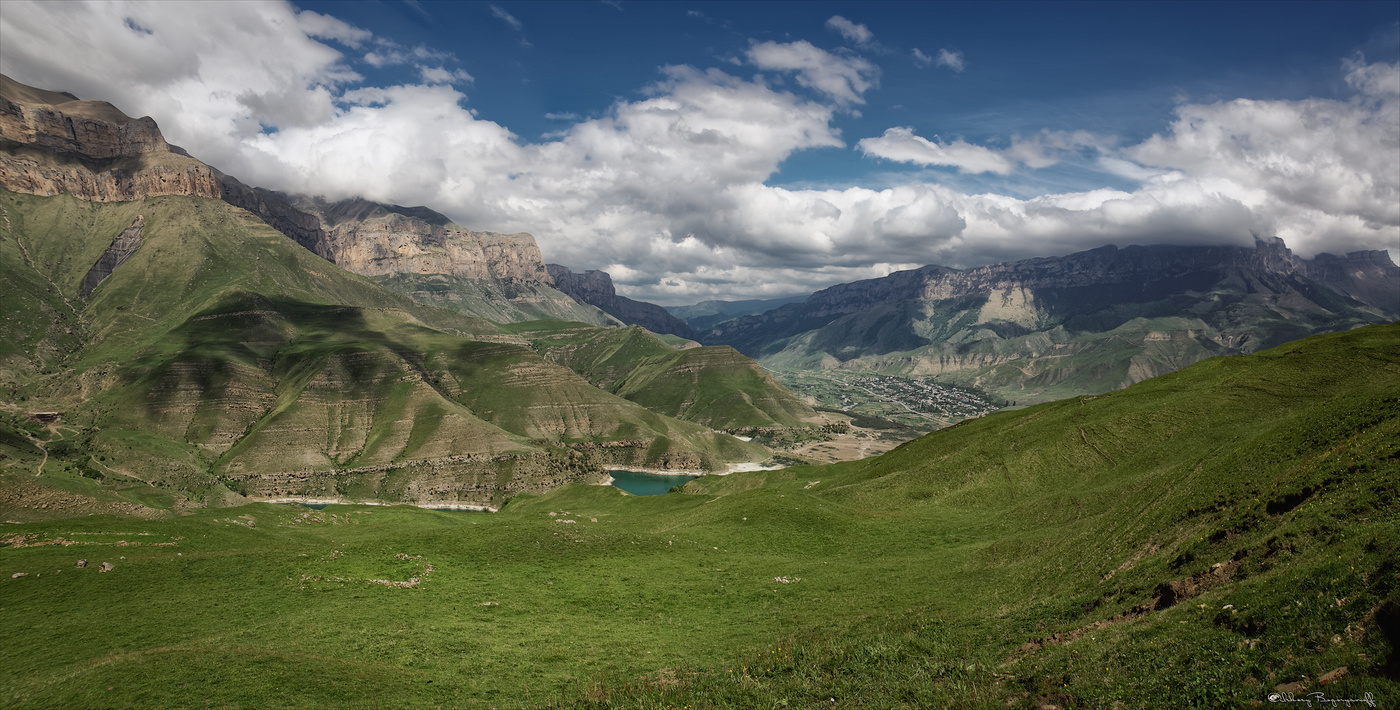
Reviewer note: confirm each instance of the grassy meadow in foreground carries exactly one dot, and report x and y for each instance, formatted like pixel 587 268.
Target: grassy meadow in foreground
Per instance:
pixel 1191 541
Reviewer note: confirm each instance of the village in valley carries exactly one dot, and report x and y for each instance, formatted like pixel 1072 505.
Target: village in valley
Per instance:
pixel 919 403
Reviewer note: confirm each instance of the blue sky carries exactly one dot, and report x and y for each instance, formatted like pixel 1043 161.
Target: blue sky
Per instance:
pixel 735 150
pixel 1116 68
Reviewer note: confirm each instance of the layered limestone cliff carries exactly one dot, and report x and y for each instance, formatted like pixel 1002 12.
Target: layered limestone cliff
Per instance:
pixel 51 143
pixel 596 288
pixel 420 253
pixel 374 239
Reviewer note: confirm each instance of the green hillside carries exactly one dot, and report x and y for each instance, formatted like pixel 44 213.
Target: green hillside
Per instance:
pixel 222 358
pixel 514 302
pixel 1201 540
pixel 715 386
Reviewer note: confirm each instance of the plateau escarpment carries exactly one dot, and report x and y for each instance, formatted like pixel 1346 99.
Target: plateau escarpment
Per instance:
pixel 596 288
pixel 51 143
pixel 420 253
pixel 1083 323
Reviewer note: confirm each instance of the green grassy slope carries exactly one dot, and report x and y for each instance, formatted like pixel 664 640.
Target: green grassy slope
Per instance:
pixel 715 386
pixel 1191 541
pixel 509 303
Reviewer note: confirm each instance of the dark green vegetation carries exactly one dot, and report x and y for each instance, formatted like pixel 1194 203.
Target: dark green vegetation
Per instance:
pixel 223 358
pixel 1191 541
pixel 714 386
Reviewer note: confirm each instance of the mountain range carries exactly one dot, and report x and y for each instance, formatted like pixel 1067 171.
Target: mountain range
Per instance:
pixel 1084 323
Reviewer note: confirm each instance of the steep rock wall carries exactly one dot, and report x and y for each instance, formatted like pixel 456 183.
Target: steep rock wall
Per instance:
pixel 596 288
pixel 51 143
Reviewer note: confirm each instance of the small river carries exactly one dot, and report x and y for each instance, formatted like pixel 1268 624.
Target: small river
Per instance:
pixel 647 484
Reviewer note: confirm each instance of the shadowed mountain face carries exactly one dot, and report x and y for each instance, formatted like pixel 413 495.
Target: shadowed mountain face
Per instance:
pixel 596 288
pixel 1084 323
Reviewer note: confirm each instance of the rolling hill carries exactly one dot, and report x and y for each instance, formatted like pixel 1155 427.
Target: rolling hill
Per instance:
pixel 713 386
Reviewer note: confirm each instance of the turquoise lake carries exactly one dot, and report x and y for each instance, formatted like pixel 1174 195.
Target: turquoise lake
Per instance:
pixel 647 484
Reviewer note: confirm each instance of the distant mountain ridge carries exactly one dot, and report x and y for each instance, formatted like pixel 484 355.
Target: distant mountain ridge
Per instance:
pixel 596 288
pixel 707 314
pixel 1055 326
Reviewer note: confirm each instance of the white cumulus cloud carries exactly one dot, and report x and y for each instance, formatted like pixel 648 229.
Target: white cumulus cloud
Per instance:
pixel 951 58
pixel 844 79
pixel 439 75
pixel 853 32
pixel 902 145
pixel 315 24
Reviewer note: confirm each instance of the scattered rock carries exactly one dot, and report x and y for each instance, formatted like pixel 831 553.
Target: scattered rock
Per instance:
pixel 1332 676
pixel 17 575
pixel 1291 687
pixel 106 567
pixel 82 564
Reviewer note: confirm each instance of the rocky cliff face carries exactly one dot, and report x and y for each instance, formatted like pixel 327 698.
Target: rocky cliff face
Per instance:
pixel 52 143
pixel 374 239
pixel 120 250
pixel 1367 276
pixel 304 229
pixel 419 252
pixel 596 288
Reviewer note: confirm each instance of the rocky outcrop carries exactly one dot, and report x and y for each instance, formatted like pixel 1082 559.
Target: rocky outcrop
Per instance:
pixel 274 209
pixel 596 288
pixel 120 250
pixel 376 239
pixel 1367 276
pixel 52 143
